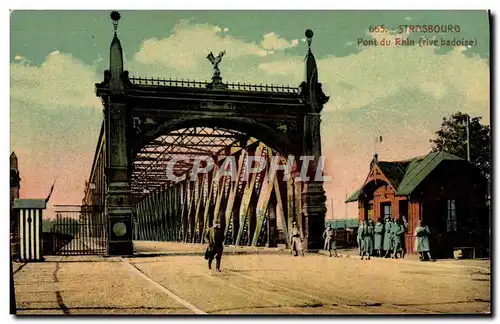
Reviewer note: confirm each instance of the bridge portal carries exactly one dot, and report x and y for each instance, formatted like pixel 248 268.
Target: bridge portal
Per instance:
pixel 150 122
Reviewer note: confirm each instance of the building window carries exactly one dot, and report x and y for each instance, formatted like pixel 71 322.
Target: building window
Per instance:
pixel 451 224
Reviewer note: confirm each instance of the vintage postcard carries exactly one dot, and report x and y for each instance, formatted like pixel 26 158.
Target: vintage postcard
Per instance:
pixel 250 162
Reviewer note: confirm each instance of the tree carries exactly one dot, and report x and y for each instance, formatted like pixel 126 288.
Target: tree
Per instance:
pixel 452 138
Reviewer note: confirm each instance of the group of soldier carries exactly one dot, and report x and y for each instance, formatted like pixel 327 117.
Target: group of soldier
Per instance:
pixel 380 239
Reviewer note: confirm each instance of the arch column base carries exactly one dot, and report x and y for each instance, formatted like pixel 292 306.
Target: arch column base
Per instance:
pixel 119 215
pixel 314 212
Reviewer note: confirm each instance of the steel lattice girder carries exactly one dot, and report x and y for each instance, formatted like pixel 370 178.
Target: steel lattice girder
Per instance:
pixel 150 164
pixel 182 211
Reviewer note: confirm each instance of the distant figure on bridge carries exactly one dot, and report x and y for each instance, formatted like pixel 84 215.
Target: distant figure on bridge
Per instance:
pixel 422 245
pixel 359 238
pixel 378 238
pixel 296 239
pixel 367 232
pixel 329 236
pixel 215 238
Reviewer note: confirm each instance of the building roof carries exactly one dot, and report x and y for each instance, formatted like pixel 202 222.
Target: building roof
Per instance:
pixel 29 204
pixel 419 169
pixel 394 171
pixel 354 196
pixel 406 175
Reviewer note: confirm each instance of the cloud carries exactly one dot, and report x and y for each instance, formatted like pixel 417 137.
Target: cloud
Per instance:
pixel 60 81
pixel 184 51
pixel 272 41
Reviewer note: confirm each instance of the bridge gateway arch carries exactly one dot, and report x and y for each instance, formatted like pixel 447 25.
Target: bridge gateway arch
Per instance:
pixel 150 121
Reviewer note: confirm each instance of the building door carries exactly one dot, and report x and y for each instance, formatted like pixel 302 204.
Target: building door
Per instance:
pixel 368 214
pixel 386 208
pixel 403 208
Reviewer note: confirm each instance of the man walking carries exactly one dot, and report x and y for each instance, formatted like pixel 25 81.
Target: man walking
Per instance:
pixel 330 243
pixel 296 239
pixel 215 238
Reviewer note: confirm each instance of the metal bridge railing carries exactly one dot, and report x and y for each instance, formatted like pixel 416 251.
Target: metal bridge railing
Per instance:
pixel 274 88
pixel 77 230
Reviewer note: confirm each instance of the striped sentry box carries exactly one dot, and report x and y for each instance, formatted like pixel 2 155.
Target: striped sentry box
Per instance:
pixel 29 213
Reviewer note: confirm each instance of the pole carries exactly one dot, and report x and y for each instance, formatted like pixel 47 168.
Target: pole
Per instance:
pixel 331 202
pixel 345 221
pixel 468 138
pixel 13 306
pixel 346 206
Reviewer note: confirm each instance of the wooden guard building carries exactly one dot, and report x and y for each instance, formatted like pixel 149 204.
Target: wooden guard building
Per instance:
pixel 446 192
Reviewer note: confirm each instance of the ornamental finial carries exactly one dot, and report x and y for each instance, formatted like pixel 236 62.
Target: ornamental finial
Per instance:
pixel 309 35
pixel 115 16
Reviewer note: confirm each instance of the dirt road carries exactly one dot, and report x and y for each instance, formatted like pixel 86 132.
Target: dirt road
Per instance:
pixel 253 284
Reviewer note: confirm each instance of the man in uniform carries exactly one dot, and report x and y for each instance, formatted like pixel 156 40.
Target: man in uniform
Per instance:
pixel 379 236
pixel 215 238
pixel 359 238
pixel 397 230
pixel 387 236
pixel 367 232
pixel 404 223
pixel 296 239
pixel 329 236
pixel 422 245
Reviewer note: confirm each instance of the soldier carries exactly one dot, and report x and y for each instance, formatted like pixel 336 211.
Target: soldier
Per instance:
pixel 329 236
pixel 404 223
pixel 387 236
pixel 422 234
pixel 296 239
pixel 359 238
pixel 397 230
pixel 215 238
pixel 367 234
pixel 379 235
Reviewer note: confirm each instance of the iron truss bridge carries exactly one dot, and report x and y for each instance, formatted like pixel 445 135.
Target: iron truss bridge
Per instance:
pixel 157 134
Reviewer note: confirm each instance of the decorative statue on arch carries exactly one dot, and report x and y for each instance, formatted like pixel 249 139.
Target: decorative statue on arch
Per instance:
pixel 215 60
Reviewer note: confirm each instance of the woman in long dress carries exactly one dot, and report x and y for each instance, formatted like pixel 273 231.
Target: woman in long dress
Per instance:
pixel 422 245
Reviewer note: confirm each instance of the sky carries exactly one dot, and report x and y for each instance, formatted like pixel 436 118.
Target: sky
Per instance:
pixel 400 93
